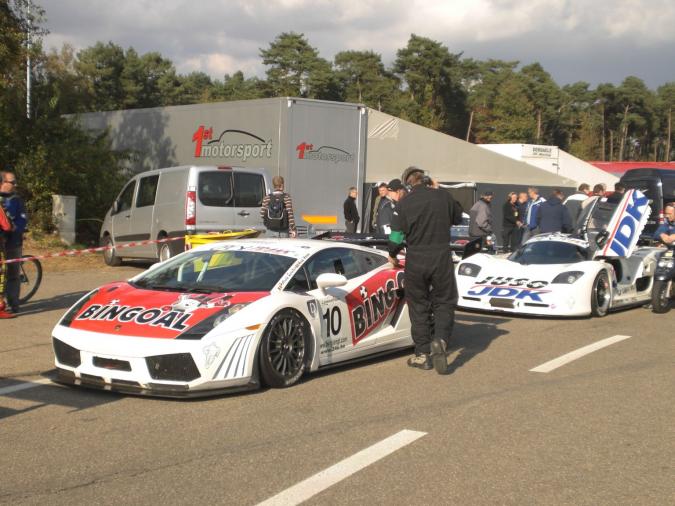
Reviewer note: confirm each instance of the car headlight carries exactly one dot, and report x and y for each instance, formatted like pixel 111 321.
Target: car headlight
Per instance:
pixel 666 263
pixel 72 312
pixel 210 323
pixel 467 269
pixel 567 278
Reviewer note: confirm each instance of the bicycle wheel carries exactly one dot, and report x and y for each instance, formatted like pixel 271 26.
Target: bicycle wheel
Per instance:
pixel 30 277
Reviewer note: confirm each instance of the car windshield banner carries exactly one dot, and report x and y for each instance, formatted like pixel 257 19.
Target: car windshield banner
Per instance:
pixel 626 225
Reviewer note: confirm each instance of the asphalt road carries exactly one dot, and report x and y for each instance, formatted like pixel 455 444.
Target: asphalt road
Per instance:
pixel 598 430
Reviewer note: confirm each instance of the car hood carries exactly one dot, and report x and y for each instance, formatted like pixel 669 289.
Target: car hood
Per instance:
pixel 122 309
pixel 503 272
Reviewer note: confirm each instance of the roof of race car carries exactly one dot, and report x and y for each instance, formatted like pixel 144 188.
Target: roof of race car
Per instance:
pixel 295 248
pixel 559 237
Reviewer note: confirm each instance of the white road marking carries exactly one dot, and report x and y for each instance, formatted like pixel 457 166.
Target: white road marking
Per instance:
pixel 24 386
pixel 343 469
pixel 573 355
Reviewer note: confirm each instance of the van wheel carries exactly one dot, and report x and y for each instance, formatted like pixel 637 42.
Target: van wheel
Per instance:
pixel 109 255
pixel 167 250
pixel 600 294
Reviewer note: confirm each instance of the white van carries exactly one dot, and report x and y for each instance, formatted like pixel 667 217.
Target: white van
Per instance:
pixel 176 201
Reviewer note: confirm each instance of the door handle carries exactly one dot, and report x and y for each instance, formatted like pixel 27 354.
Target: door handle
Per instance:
pixel 243 213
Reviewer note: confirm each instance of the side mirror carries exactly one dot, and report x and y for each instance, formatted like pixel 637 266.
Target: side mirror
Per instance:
pixel 330 280
pixel 601 238
pixel 115 207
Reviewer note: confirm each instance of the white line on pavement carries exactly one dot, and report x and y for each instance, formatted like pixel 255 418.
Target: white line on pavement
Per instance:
pixel 24 386
pixel 343 469
pixel 573 355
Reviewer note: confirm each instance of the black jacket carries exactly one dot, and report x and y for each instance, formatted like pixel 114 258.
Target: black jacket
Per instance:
pixel 553 216
pixel 511 215
pixel 425 216
pixel 351 212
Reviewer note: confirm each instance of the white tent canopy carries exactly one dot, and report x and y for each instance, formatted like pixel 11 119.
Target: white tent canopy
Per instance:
pixel 555 161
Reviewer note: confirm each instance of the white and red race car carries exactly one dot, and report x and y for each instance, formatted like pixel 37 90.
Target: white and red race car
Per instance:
pixel 232 316
pixel 598 269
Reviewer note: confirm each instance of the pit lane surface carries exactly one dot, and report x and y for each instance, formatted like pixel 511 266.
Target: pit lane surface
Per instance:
pixel 596 430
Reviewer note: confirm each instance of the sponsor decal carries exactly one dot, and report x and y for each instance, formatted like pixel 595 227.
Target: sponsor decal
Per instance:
pixel 374 301
pixel 330 345
pixel 211 352
pixel 175 320
pixel 509 288
pixel 231 143
pixel 626 225
pixel 332 154
pixel 312 308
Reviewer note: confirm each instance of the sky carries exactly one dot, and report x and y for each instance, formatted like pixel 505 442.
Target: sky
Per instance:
pixel 597 41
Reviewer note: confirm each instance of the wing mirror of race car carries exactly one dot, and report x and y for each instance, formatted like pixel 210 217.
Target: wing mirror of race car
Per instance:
pixel 330 280
pixel 601 238
pixel 471 248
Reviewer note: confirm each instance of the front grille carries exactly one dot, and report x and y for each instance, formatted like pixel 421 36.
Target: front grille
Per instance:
pixel 475 299
pixel 176 367
pixel 66 354
pixel 112 364
pixel 501 302
pixel 535 304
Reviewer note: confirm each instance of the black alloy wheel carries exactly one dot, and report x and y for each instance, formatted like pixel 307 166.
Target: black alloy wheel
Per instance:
pixel 662 295
pixel 284 349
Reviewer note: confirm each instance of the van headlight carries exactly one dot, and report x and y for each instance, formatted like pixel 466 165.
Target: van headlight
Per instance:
pixel 567 278
pixel 467 269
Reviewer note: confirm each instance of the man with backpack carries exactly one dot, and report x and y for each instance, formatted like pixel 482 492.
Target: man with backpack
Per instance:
pixel 277 211
pixel 15 210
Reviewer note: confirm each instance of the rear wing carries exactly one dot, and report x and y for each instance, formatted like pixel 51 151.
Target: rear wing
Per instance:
pixel 382 242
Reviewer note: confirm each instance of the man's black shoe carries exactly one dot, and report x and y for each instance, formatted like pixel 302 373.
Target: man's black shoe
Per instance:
pixel 421 361
pixel 438 356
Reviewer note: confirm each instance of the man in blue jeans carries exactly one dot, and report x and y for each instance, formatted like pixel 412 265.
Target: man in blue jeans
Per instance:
pixel 16 211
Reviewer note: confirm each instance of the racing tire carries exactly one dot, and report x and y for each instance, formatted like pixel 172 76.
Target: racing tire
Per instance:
pixel 284 349
pixel 109 256
pixel 662 296
pixel 600 294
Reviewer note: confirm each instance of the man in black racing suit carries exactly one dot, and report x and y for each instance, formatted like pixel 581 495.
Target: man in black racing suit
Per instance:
pixel 423 218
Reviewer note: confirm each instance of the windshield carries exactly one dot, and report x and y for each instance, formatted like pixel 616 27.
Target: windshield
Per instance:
pixel 217 271
pixel 549 252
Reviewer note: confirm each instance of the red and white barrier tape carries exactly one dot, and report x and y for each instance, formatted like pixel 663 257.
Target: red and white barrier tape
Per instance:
pixel 77 252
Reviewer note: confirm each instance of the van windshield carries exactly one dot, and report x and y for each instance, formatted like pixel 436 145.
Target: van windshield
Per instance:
pixel 214 188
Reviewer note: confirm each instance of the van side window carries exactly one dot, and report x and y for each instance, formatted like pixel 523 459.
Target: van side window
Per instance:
pixel 214 188
pixel 147 190
pixel 249 189
pixel 126 197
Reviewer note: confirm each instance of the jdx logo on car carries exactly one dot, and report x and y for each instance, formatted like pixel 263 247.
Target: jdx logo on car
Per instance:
pixel 510 288
pixel 626 226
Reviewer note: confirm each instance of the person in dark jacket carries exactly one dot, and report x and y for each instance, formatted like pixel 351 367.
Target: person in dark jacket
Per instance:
pixel 351 211
pixel 511 223
pixel 16 212
pixel 424 218
pixel 553 216
pixel 480 218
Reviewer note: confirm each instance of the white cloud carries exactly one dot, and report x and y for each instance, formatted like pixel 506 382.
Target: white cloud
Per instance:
pixel 222 36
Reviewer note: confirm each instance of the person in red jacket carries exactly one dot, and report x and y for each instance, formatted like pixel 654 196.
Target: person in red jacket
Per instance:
pixel 5 228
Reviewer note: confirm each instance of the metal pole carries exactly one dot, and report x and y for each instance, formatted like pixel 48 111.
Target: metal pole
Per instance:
pixel 28 64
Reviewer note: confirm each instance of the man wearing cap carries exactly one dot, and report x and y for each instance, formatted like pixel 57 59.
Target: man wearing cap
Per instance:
pixel 424 218
pixel 395 190
pixel 480 218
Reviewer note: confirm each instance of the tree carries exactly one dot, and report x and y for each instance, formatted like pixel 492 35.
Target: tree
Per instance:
pixel 545 96
pixel 432 75
pixel 296 70
pixel 666 94
pixel 102 68
pixel 637 107
pixel 364 79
